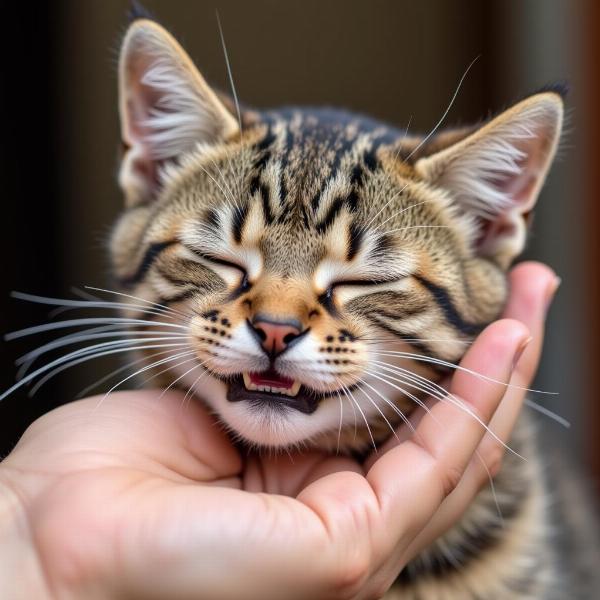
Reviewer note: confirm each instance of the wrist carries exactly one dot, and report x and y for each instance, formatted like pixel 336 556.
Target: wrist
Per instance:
pixel 21 573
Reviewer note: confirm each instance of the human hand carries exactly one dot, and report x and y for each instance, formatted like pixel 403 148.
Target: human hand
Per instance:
pixel 144 498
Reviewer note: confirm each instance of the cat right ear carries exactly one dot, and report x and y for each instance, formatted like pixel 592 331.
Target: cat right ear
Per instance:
pixel 166 108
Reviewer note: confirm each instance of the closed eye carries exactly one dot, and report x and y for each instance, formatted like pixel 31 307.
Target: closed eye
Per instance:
pixel 217 260
pixel 363 282
pixel 327 297
pixel 241 285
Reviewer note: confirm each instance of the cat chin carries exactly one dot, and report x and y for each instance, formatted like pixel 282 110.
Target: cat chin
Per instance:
pixel 269 426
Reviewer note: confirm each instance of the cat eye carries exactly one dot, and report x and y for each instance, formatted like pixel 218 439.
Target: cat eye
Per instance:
pixel 244 284
pixel 210 258
pixel 361 282
pixel 326 298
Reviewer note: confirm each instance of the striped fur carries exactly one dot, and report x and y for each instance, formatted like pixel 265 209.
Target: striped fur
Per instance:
pixel 375 242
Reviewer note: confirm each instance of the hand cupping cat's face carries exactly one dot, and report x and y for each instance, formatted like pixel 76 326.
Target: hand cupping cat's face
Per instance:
pixel 326 267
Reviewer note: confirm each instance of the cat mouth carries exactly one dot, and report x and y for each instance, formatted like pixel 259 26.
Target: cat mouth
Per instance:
pixel 270 381
pixel 272 389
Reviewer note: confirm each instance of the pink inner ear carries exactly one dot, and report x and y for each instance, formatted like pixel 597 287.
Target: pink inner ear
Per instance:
pixel 520 188
pixel 140 102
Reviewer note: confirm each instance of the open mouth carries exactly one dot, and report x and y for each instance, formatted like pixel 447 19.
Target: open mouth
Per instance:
pixel 271 388
pixel 271 381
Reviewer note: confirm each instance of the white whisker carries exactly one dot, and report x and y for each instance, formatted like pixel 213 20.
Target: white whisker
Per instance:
pixel 439 361
pixel 61 360
pixel 87 321
pixel 143 300
pixel 100 381
pixel 437 125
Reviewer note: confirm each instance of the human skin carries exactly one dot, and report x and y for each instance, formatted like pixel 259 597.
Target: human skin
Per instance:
pixel 141 497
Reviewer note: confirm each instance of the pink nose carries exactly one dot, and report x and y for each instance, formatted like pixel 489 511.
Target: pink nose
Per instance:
pixel 275 336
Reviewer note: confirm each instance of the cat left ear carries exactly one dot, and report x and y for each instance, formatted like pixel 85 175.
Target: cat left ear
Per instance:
pixel 496 173
pixel 166 108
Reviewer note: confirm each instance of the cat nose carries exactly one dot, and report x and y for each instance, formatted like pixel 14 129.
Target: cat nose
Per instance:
pixel 273 334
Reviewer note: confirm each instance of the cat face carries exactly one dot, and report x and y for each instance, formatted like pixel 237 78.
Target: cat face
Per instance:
pixel 327 268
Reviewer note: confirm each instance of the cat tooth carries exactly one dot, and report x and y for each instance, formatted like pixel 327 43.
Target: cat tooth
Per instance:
pixel 246 377
pixel 247 382
pixel 293 391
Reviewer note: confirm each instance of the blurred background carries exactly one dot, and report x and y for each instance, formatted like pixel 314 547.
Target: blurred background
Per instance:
pixel 397 60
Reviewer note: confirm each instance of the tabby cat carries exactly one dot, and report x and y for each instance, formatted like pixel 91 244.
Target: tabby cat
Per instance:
pixel 329 269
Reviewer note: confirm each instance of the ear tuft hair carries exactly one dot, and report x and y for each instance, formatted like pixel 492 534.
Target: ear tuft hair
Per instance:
pixel 138 11
pixel 560 88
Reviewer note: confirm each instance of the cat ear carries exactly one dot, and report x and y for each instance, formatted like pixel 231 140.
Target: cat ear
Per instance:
pixel 496 173
pixel 166 108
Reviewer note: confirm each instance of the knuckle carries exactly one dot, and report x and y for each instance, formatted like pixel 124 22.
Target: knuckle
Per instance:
pixel 492 458
pixel 350 576
pixel 380 590
pixel 451 477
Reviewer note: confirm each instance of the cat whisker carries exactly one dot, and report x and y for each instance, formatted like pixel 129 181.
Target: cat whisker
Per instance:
pixel 143 370
pixel 62 363
pixel 28 359
pixel 143 300
pixel 446 396
pixel 32 355
pixel 547 412
pixel 339 435
pixel 67 304
pixel 428 410
pixel 83 356
pixel 129 365
pixel 87 321
pixel 374 340
pixel 161 372
pixel 229 73
pixel 399 412
pixel 438 124
pixel 419 227
pixel 192 388
pixel 404 418
pixel 439 361
pixel 350 395
pixel 199 365
pixel 365 227
pixel 231 202
pixel 399 212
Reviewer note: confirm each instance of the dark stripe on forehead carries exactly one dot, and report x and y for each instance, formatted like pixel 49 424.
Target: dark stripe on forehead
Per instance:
pixel 212 217
pixel 151 254
pixel 355 235
pixel 370 159
pixel 237 224
pixel 334 209
pixel 357 177
pixel 443 300
pixel 264 147
pixel 256 186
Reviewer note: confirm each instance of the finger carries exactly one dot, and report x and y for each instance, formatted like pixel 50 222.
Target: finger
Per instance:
pixel 408 484
pixel 532 287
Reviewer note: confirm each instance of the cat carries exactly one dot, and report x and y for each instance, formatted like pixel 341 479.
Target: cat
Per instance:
pixel 327 271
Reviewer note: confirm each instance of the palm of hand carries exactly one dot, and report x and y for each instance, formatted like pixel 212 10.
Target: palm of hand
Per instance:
pixel 134 476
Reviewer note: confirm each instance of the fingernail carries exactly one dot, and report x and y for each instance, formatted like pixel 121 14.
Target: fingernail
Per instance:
pixel 551 291
pixel 519 351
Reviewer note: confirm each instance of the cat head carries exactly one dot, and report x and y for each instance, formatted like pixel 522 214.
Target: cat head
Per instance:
pixel 326 267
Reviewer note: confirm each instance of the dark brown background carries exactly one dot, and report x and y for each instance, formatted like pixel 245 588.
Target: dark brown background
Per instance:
pixel 397 60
